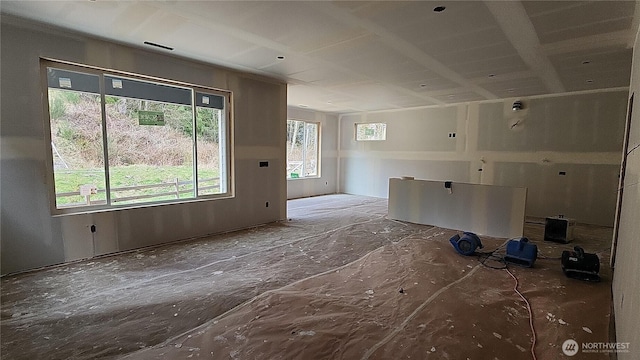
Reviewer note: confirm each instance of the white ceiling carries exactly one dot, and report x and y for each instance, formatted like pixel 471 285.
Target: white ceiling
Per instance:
pixel 349 56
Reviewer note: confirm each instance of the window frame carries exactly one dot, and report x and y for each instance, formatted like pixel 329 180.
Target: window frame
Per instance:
pixel 364 124
pixel 102 73
pixel 318 151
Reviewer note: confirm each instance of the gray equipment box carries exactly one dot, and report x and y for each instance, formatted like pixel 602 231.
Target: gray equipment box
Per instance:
pixel 559 229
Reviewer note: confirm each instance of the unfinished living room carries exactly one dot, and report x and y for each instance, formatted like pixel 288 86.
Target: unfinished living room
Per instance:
pixel 319 180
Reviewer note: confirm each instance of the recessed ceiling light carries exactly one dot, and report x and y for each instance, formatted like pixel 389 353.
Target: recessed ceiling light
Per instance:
pixel 589 81
pixel 303 105
pixel 492 75
pixel 280 57
pixel 586 62
pixel 423 85
pixel 439 8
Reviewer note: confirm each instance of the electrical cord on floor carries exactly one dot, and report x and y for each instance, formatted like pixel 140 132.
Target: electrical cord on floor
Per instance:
pixel 483 257
pixel 533 330
pixel 549 258
pixel 490 256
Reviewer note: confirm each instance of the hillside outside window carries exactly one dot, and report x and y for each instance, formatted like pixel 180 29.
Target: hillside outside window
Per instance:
pixel 125 140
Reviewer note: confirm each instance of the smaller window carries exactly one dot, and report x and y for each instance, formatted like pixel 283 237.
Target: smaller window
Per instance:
pixel 371 132
pixel 302 149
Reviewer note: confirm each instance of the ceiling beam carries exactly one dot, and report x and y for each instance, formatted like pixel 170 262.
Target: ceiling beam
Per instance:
pixel 635 26
pixel 259 40
pixel 401 46
pixel 598 41
pixel 517 27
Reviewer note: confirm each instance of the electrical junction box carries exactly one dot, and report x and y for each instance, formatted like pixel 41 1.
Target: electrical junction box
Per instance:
pixel 559 229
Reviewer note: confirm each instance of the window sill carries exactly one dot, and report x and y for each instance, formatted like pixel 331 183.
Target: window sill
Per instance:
pixel 305 178
pixel 59 212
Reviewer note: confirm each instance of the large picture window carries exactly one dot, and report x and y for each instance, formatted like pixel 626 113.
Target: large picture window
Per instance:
pixel 123 140
pixel 302 149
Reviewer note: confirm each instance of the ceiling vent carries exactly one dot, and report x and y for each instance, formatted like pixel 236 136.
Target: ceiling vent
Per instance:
pixel 158 45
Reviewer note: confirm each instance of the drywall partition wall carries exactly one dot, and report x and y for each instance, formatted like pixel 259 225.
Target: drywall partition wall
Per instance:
pixel 570 146
pixel 356 172
pixel 483 209
pixel 564 148
pixel 588 123
pixel 626 287
pixel 31 237
pixel 326 183
pixel 417 145
pixel 580 193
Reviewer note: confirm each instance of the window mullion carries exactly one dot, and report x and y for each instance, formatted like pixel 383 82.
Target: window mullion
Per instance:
pixel 194 134
pixel 304 149
pixel 223 163
pixel 105 142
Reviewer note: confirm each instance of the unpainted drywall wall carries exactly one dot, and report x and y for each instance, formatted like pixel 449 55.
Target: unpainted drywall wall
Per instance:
pixel 326 183
pixel 358 179
pixel 418 144
pixel 626 287
pixel 483 209
pixel 564 148
pixel 31 237
pixel 579 193
pixel 586 123
pixel 408 130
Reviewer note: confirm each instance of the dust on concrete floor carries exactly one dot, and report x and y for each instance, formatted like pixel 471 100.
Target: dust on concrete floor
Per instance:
pixel 324 284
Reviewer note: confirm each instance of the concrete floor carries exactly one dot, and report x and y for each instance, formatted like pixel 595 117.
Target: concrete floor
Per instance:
pixel 178 300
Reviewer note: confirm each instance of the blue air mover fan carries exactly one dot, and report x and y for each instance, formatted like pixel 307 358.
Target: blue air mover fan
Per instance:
pixel 521 252
pixel 467 244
